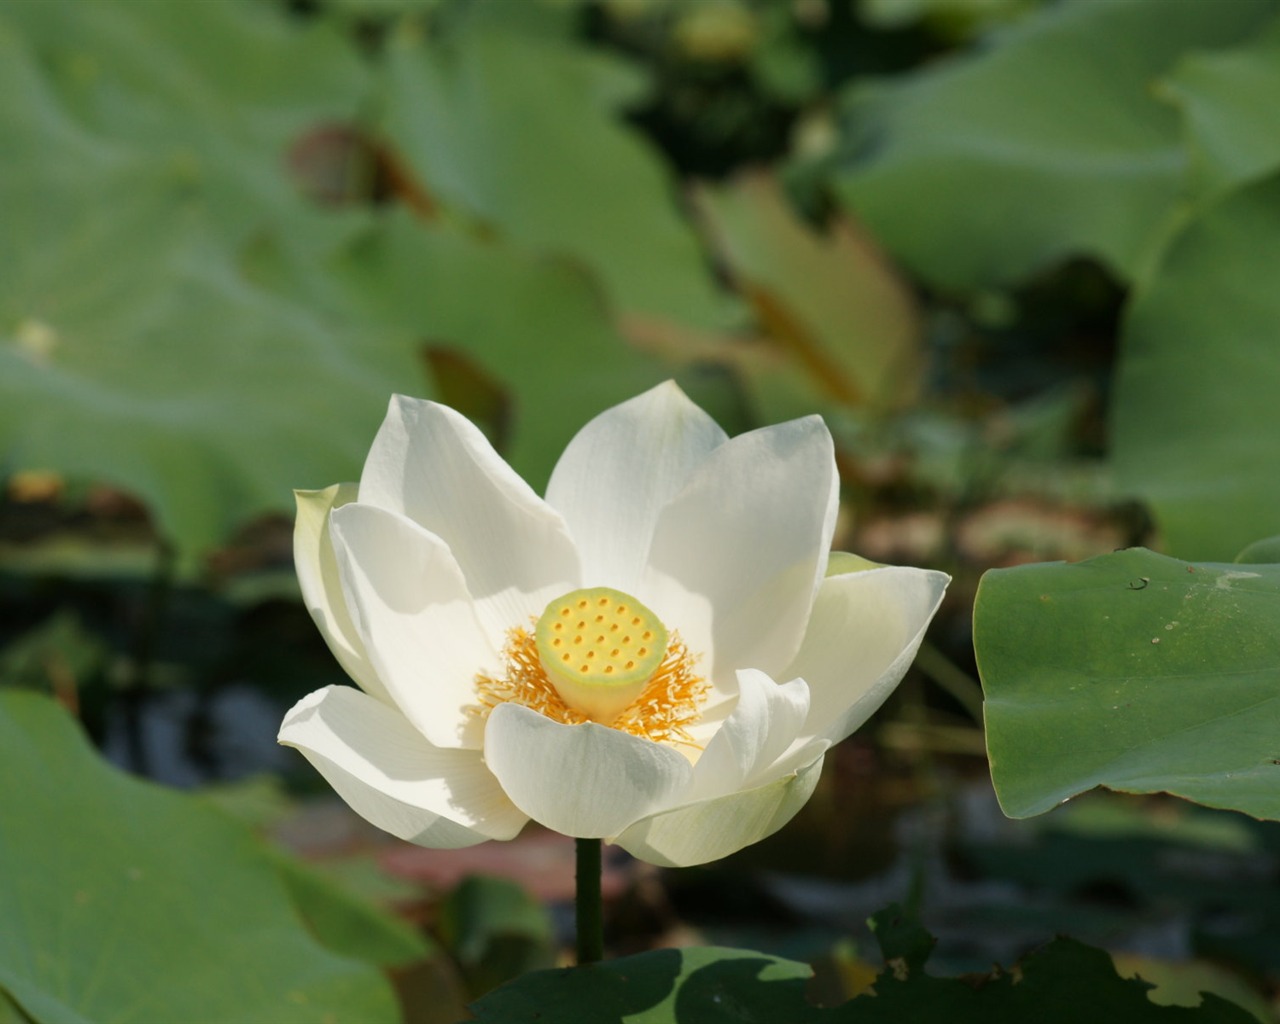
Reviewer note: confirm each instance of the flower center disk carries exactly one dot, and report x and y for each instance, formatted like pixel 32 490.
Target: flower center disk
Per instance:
pixel 599 648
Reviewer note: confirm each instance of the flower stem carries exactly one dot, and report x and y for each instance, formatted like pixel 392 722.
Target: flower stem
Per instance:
pixel 590 906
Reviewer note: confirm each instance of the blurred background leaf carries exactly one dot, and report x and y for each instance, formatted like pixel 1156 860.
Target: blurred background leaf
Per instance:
pixel 1195 420
pixel 518 133
pixel 1227 97
pixel 142 162
pixel 829 300
pixel 1044 144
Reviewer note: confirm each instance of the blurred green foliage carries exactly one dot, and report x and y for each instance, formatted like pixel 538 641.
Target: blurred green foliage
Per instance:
pixel 238 227
pixel 1020 255
pixel 1047 143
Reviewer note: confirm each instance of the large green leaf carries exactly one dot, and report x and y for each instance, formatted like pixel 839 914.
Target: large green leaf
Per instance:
pixel 1195 417
pixel 521 132
pixel 1229 99
pixel 1134 671
pixel 124 902
pixel 1044 144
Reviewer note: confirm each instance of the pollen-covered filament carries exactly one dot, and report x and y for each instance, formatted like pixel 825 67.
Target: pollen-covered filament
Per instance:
pixel 599 655
pixel 599 647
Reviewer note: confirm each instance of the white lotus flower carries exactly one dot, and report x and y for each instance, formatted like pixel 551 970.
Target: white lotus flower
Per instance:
pixel 653 655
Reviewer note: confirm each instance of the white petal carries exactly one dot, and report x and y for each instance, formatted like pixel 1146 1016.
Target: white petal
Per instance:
pixel 586 780
pixel 738 554
pixel 411 605
pixel 619 471
pixel 391 776
pixel 317 570
pixel 865 630
pixel 434 466
pixel 711 829
pixel 761 726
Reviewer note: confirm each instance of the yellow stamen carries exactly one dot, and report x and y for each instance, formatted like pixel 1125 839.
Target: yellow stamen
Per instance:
pixel 600 647
pixel 663 712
